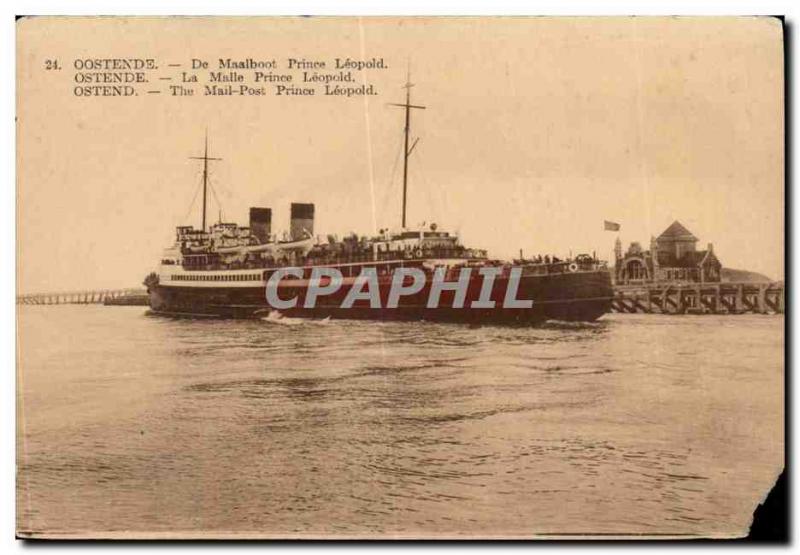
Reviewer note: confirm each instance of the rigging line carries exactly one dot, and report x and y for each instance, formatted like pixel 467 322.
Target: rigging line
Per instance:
pixel 191 204
pixel 370 164
pixel 214 192
pixel 432 191
pixel 394 170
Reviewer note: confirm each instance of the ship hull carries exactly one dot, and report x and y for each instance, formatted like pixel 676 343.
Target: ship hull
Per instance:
pixel 577 297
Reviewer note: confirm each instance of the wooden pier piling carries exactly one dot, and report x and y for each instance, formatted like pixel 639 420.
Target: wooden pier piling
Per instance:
pixel 695 298
pixel 104 296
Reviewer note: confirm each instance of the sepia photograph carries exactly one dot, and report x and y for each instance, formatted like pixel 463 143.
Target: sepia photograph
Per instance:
pixel 432 278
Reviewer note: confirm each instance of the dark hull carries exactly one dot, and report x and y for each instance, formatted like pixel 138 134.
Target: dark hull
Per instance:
pixel 579 297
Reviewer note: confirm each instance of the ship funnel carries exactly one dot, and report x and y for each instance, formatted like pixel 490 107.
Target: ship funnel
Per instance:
pixel 302 221
pixel 261 223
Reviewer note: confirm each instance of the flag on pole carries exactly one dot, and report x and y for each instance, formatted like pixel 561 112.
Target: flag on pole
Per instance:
pixel 610 226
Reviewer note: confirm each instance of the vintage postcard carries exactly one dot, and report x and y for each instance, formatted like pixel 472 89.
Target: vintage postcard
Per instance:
pixel 400 277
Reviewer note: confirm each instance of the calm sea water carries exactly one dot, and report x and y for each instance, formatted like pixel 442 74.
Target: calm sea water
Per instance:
pixel 634 425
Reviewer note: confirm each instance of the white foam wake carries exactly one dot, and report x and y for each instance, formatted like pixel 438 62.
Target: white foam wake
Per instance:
pixel 276 317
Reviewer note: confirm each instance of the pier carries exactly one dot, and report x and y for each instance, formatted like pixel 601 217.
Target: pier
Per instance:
pixel 653 298
pixel 103 296
pixel 700 298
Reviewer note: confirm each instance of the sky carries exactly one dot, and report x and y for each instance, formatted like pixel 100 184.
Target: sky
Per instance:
pixel 535 131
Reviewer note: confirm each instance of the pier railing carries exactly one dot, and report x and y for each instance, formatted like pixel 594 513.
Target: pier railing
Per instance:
pixel 101 296
pixel 701 298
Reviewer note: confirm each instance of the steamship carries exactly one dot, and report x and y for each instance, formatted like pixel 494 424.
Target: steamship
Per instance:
pixel 223 271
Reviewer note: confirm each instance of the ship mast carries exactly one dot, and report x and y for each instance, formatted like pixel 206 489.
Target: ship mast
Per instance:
pixel 205 158
pixel 406 149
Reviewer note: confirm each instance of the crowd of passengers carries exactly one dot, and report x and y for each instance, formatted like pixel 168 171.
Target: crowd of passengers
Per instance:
pixel 546 259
